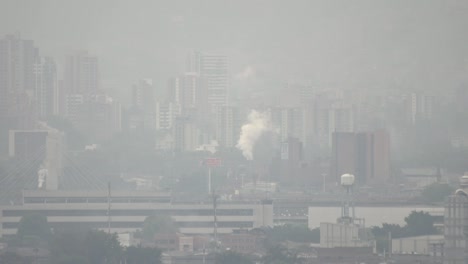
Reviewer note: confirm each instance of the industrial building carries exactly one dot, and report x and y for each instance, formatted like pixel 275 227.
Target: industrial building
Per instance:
pixel 456 225
pixel 426 245
pixel 348 231
pixel 366 155
pixel 126 212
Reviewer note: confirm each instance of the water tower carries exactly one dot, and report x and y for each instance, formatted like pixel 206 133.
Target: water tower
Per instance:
pixel 347 182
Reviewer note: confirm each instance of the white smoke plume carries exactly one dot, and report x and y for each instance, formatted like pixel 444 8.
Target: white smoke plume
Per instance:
pixel 246 73
pixel 258 123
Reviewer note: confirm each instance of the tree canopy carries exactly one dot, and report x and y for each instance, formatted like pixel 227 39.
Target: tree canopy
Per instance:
pixel 231 257
pixel 88 248
pixel 295 233
pixel 142 255
pixel 158 224
pixel 13 258
pixel 34 225
pixel 280 255
pixel 437 192
pixel 417 224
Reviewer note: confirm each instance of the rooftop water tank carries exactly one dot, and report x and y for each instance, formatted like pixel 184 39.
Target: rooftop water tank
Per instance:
pixel 347 180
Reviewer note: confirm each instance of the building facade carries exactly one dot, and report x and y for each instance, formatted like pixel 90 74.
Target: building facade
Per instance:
pixel 365 155
pixel 129 210
pixel 213 68
pixel 455 228
pixel 81 74
pixel 46 88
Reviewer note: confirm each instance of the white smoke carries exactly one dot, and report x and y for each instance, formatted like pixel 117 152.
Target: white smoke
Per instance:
pixel 258 123
pixel 246 73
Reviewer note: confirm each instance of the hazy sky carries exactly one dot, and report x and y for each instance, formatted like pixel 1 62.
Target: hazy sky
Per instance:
pixel 355 43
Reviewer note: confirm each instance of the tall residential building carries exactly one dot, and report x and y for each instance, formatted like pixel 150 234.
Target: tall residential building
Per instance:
pixel 228 126
pixel 289 122
pixel 365 155
pixel 419 107
pixel 143 95
pixel 330 118
pixel 189 91
pixel 166 114
pixel 144 104
pixel 97 116
pixel 292 156
pixel 81 74
pixel 186 135
pixel 46 87
pixel 17 57
pixel 214 70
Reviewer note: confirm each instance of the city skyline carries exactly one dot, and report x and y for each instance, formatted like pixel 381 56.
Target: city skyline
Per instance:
pixel 216 132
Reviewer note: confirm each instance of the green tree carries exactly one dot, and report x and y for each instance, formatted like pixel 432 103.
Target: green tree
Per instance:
pixel 101 247
pixel 231 257
pixel 280 255
pixel 382 235
pixel 295 233
pixel 71 260
pixel 158 224
pixel 437 192
pixel 142 255
pixel 68 248
pixel 91 247
pixel 13 258
pixel 34 225
pixel 419 223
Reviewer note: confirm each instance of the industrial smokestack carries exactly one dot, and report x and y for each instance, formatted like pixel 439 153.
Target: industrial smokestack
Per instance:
pixel 258 123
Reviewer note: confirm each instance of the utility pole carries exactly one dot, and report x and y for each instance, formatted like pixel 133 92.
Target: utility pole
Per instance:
pixel 108 207
pixel 215 221
pixel 209 180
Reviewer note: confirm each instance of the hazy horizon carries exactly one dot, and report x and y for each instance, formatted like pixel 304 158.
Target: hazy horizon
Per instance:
pixel 330 44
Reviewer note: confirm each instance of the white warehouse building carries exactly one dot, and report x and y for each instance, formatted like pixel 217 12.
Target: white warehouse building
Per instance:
pixel 66 210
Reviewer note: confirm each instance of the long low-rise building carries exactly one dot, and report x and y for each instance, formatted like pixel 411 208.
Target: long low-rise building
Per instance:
pixel 373 215
pixel 126 212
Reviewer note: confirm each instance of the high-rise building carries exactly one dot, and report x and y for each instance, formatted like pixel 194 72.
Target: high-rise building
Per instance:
pixel 291 159
pixel 228 126
pixel 419 107
pixel 166 114
pixel 81 74
pixel 330 118
pixel 98 116
pixel 17 57
pixel 143 95
pixel 189 91
pixel 144 104
pixel 186 134
pixel 46 87
pixel 74 103
pixel 289 122
pixel 214 70
pixel 365 155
